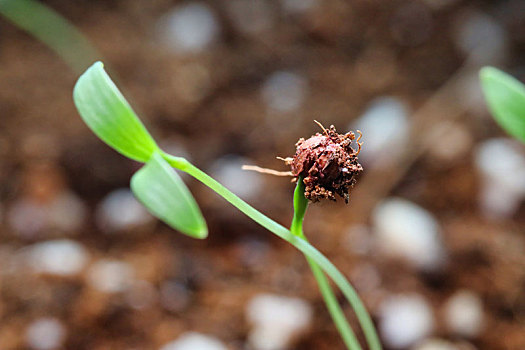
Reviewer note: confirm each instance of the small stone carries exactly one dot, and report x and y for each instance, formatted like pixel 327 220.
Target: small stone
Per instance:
pixel 189 29
pixel 481 38
pixel 67 212
pixel 276 321
pixel 195 341
pixel 464 314
pixel 405 230
pixel 110 276
pixel 435 344
pixel 120 211
pixel 404 320
pixel 27 217
pixel 296 7
pixel 284 91
pixel 45 334
pixel 57 257
pixel 385 128
pixel 502 166
pixel 228 171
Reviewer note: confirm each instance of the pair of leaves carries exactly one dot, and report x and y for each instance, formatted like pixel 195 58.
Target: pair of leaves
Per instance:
pixel 107 113
pixel 505 97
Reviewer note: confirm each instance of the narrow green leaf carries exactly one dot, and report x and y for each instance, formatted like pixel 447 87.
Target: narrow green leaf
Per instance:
pixel 163 192
pixel 107 113
pixel 506 99
pixel 52 29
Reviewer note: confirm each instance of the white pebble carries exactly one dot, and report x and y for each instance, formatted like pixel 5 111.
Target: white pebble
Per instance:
pixel 502 166
pixel 190 28
pixel 294 7
pixel 110 276
pixel 276 320
pixel 67 212
pixel 385 128
pixel 228 171
pixel 435 344
pixel 27 217
pixel 284 91
pixel 481 38
pixel 195 341
pixel 464 314
pixel 120 211
pixel 404 320
pixel 406 230
pixel 45 334
pixel 57 257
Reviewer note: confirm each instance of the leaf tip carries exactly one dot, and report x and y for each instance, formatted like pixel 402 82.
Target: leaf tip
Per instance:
pixel 488 72
pixel 202 233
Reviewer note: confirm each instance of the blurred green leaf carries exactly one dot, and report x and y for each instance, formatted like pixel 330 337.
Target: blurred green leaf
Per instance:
pixel 163 192
pixel 52 29
pixel 107 113
pixel 506 99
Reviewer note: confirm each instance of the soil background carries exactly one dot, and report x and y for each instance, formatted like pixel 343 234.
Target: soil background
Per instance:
pixel 209 105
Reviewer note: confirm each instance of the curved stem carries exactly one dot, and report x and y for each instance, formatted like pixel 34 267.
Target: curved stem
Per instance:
pixel 346 332
pixel 279 230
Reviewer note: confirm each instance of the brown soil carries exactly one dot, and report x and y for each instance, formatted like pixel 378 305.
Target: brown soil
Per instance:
pixel 349 54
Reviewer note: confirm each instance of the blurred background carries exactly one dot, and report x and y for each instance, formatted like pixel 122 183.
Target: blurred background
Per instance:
pixel 433 236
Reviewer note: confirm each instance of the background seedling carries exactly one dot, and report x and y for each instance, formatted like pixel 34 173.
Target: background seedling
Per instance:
pixel 52 29
pixel 505 97
pixel 110 117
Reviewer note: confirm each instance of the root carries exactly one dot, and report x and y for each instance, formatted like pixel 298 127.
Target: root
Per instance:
pixel 359 144
pixel 322 127
pixel 266 171
pixel 287 160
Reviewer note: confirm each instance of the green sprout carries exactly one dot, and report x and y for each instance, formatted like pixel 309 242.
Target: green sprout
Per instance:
pixel 158 187
pixel 52 29
pixel 505 97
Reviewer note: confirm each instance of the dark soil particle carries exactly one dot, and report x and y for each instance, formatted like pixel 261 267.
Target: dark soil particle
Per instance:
pixel 327 163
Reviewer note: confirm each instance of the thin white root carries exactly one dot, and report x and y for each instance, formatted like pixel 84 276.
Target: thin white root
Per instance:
pixel 322 127
pixel 359 144
pixel 266 171
pixel 287 160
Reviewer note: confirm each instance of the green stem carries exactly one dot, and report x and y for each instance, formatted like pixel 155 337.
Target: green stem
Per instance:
pixel 346 332
pixel 299 243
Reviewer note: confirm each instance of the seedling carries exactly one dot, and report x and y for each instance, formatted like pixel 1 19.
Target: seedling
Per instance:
pixel 505 97
pixel 107 113
pixel 52 29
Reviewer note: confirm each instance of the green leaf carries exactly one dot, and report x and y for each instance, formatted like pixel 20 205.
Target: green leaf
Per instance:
pixel 506 99
pixel 52 29
pixel 107 113
pixel 166 196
